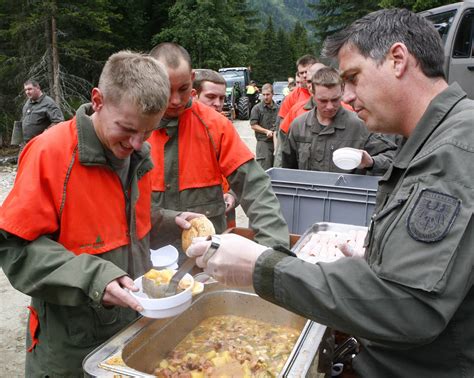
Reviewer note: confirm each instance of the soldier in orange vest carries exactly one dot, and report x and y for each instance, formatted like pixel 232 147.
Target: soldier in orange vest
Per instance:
pixel 209 88
pixel 75 229
pixel 299 94
pixel 194 147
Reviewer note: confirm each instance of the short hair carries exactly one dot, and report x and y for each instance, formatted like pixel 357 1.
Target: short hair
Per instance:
pixel 202 75
pixel 171 54
pixel 327 77
pixel 306 60
pixel 267 87
pixel 33 82
pixel 137 78
pixel 375 33
pixel 292 84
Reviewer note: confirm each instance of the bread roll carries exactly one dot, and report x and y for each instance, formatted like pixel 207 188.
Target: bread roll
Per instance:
pixel 199 227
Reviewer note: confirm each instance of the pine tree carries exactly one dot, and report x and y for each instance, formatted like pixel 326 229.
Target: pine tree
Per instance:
pixel 333 15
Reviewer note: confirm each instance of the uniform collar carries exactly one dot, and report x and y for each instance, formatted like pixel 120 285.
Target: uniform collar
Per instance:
pixel 39 99
pixel 310 104
pixel 91 150
pixel 436 112
pixel 173 122
pixel 337 123
pixel 271 106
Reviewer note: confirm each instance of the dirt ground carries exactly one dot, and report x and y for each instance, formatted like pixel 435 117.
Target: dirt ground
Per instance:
pixel 13 304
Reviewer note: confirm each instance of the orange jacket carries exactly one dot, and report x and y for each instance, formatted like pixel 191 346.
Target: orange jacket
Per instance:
pixel 298 109
pixel 295 111
pixel 202 161
pixel 83 206
pixel 297 95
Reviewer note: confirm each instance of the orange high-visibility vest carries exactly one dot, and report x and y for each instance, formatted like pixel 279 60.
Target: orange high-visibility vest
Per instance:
pixel 209 148
pixel 297 95
pixel 84 207
pixel 295 111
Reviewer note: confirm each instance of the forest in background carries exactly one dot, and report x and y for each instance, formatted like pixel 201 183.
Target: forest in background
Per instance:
pixel 64 44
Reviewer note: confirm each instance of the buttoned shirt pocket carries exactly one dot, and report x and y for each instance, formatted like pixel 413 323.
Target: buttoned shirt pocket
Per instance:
pixel 398 256
pixel 319 148
pixel 214 209
pixel 304 151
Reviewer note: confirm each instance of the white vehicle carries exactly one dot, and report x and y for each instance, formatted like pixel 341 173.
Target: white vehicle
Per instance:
pixel 455 24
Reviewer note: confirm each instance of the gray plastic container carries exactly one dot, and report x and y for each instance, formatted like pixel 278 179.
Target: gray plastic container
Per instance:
pixel 308 197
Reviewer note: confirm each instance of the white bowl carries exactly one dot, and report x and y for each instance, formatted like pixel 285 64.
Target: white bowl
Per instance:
pixel 159 308
pixel 165 257
pixel 347 158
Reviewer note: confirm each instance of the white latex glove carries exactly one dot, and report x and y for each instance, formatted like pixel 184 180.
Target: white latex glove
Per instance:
pixel 229 202
pixel 233 262
pixel 350 251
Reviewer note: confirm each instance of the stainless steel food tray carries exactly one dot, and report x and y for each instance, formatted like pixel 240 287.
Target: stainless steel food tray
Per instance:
pixel 146 341
pixel 324 226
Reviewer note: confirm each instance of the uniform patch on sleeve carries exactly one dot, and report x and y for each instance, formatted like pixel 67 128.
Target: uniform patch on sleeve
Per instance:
pixel 432 216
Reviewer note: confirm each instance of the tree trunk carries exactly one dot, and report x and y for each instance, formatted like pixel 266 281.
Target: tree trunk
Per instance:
pixel 49 60
pixel 55 56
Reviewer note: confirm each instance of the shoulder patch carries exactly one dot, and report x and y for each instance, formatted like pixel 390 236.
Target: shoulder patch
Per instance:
pixel 432 216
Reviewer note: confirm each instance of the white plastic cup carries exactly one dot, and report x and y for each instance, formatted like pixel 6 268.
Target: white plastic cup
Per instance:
pixel 165 257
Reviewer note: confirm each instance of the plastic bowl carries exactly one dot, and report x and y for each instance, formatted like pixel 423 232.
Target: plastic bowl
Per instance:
pixel 159 308
pixel 165 257
pixel 347 158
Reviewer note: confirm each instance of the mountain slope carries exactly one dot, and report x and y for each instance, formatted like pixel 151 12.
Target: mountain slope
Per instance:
pixel 285 13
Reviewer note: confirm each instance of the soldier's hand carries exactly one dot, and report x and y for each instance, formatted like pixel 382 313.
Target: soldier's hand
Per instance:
pixel 367 161
pixel 229 202
pixel 115 294
pixel 233 262
pixel 182 220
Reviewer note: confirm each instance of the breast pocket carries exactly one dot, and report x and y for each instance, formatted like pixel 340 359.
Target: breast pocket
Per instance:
pixel 407 260
pixel 213 209
pixel 384 221
pixel 304 154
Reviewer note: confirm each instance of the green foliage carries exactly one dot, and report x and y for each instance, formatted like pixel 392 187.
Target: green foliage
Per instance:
pixel 334 15
pixel 284 13
pixel 216 33
pixel 87 31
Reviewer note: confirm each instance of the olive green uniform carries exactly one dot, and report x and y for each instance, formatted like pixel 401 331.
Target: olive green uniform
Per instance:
pixel 67 289
pixel 38 115
pixel 310 145
pixel 411 300
pixel 265 116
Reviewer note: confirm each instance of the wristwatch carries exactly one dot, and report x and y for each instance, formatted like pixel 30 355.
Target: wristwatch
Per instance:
pixel 215 244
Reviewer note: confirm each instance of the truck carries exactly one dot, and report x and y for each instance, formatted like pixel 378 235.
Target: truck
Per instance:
pixel 236 104
pixel 455 24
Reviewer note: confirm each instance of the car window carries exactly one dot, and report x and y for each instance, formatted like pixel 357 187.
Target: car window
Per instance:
pixel 278 87
pixel 463 44
pixel 442 22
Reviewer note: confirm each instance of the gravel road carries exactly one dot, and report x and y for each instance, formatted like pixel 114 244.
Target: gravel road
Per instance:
pixel 13 304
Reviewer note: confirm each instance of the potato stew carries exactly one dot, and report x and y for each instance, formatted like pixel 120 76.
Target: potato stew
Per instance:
pixel 230 346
